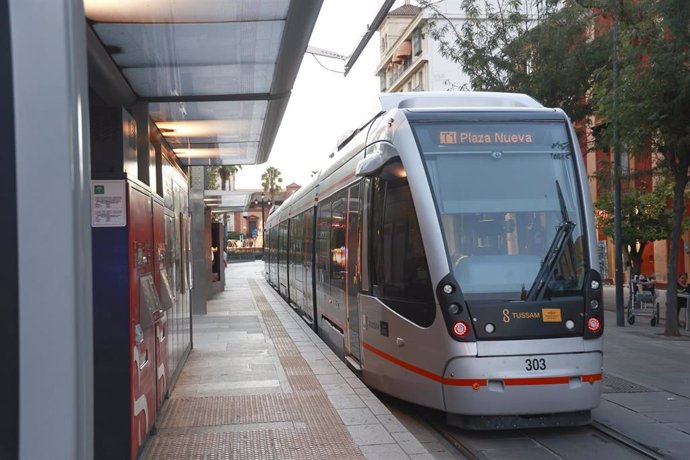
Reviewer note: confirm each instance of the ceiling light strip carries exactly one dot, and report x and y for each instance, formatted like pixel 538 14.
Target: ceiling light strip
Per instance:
pixel 218 97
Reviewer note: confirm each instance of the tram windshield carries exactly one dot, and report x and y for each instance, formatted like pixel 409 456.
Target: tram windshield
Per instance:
pixel 510 206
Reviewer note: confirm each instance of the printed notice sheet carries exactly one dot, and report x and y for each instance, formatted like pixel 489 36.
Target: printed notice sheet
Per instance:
pixel 108 203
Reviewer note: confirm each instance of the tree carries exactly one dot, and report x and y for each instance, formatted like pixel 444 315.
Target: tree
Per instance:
pixel 224 175
pixel 652 102
pixel 225 172
pixel 537 47
pixel 270 181
pixel 212 178
pixel 645 218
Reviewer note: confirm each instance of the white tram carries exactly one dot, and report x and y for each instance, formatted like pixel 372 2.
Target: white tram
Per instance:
pixel 448 254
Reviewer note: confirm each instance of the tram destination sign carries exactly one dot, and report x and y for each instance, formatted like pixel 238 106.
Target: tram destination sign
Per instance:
pixel 474 137
pixel 533 136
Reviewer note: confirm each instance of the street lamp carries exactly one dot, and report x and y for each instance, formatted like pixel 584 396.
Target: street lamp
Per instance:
pixel 263 202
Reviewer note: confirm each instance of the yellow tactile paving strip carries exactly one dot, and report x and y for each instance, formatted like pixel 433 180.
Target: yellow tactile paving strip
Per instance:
pixel 300 424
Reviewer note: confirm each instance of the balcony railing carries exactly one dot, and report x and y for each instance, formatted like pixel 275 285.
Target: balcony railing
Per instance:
pixel 398 71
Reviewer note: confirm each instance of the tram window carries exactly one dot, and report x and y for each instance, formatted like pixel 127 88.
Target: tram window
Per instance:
pixel 400 275
pixel 308 226
pixel 282 242
pixel 274 247
pixel 519 186
pixel 323 243
pixel 338 249
pixel 296 238
pixel 365 222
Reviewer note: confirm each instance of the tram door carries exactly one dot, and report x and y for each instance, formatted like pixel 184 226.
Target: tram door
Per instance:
pixel 353 271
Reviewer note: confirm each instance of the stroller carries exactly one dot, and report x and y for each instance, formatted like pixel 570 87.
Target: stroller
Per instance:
pixel 643 297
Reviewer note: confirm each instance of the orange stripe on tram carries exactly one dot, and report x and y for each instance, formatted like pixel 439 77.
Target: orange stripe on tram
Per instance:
pixel 536 381
pixel 591 378
pixel 403 364
pixel 476 383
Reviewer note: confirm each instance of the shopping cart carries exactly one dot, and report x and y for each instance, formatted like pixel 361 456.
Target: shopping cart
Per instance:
pixel 643 301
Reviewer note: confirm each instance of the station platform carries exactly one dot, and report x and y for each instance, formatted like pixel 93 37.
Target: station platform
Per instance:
pixel 259 384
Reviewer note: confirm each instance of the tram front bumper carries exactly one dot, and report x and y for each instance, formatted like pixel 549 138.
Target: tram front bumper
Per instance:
pixel 524 384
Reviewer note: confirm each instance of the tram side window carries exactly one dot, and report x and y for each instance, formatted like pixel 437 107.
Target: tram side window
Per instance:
pixel 308 226
pixel 282 243
pixel 400 275
pixel 274 245
pixel 323 224
pixel 337 247
pixel 296 251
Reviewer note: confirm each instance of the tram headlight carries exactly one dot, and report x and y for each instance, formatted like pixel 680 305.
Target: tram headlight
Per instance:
pixel 454 309
pixel 570 324
pixel 593 324
pixel 489 328
pixel 461 329
pixel 448 289
pixel 594 321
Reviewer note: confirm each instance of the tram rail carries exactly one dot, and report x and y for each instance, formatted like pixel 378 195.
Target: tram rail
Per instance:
pixel 462 440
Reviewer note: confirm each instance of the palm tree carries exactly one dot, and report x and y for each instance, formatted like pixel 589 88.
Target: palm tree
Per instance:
pixel 270 181
pixel 225 173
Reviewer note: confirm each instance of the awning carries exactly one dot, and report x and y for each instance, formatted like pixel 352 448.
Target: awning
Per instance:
pixel 404 51
pixel 216 74
pixel 223 200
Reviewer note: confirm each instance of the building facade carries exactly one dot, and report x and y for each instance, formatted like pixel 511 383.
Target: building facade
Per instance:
pixel 250 221
pixel 410 59
pixel 637 174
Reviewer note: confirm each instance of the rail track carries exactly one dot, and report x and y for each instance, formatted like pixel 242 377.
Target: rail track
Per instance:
pixel 566 443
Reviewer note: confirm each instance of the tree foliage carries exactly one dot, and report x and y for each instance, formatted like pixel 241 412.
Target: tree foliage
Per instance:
pixel 652 101
pixel 538 47
pixel 645 218
pixel 219 176
pixel 225 172
pixel 270 181
pixel 212 178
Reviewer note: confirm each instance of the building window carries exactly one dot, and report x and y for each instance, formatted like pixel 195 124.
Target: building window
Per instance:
pixel 420 81
pixel 417 42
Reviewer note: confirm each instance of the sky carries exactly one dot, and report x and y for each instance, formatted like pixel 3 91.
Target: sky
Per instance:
pixel 324 104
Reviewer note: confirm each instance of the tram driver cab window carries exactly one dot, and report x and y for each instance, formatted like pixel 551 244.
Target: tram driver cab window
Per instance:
pixel 400 275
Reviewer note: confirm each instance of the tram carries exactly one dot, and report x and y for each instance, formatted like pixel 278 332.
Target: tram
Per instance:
pixel 448 255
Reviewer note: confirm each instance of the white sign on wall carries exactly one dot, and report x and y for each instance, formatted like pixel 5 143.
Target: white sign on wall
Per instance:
pixel 108 203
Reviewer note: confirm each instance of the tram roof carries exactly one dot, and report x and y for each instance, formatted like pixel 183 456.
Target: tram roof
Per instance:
pixel 456 99
pixel 216 74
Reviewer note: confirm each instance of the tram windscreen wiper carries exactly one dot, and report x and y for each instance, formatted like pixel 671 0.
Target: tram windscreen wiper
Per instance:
pixel 553 255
